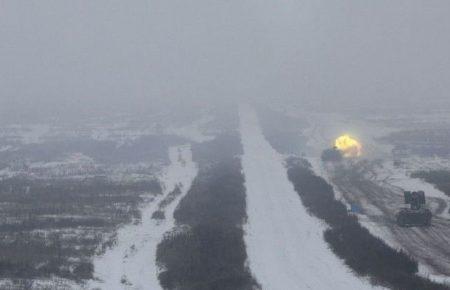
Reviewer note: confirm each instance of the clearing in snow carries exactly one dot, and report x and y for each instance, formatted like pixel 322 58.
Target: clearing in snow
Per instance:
pixel 131 263
pixel 284 243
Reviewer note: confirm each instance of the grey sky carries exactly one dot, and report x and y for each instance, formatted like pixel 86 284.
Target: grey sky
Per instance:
pixel 58 56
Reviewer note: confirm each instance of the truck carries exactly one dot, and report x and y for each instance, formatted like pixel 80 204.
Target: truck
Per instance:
pixel 417 214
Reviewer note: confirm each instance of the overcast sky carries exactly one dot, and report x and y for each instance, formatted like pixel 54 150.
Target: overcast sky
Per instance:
pixel 82 55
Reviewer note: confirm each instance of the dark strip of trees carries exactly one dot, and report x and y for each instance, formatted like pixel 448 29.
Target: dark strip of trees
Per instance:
pixel 207 250
pixel 439 178
pixel 364 253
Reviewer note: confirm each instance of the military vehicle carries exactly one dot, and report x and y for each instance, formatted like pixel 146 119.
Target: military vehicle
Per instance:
pixel 417 214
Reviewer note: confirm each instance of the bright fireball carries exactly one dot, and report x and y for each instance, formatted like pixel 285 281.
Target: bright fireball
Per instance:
pixel 349 146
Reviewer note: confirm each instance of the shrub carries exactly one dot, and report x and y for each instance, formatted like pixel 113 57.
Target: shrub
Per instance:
pixel 84 270
pixel 158 215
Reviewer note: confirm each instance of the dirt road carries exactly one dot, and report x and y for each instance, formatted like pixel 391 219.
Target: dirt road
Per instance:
pixel 379 202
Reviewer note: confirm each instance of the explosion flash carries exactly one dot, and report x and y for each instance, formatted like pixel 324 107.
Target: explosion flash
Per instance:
pixel 349 146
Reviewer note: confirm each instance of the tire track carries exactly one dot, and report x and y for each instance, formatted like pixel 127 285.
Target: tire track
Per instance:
pixel 380 202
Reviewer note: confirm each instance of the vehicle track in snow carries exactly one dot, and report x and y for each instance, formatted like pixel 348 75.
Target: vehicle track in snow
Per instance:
pixel 381 201
pixel 284 243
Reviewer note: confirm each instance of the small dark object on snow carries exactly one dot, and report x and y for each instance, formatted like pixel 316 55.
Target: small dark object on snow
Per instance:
pixel 417 214
pixel 158 215
pixel 331 155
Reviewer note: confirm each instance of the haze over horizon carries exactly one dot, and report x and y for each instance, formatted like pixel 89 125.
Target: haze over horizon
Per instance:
pixel 92 57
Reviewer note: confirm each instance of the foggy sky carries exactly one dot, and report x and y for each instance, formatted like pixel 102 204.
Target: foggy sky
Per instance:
pixel 89 56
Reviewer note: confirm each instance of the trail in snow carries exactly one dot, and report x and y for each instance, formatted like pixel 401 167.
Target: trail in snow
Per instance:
pixel 131 264
pixel 284 243
pixel 389 175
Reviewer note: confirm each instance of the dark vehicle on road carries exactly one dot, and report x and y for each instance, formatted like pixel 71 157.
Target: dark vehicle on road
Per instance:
pixel 417 214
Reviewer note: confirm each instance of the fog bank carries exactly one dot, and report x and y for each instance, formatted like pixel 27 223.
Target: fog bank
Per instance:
pixel 61 58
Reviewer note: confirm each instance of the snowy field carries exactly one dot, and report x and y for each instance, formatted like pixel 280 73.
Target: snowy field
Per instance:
pixel 131 263
pixel 284 243
pixel 110 172
pixel 390 179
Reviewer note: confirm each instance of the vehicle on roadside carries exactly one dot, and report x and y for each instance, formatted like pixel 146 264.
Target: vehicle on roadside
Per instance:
pixel 417 214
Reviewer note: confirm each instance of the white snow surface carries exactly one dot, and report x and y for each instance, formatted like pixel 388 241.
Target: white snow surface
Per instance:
pixel 400 177
pixel 284 243
pixel 131 264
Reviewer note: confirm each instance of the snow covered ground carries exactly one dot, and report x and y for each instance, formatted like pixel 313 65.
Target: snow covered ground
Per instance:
pixel 284 243
pixel 323 128
pixel 131 263
pixel 400 178
pixel 193 131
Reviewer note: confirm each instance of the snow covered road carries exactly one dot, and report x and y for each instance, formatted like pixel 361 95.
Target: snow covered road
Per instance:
pixel 284 243
pixel 380 201
pixel 131 263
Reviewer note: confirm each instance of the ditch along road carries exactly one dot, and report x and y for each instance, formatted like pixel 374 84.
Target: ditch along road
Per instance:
pixel 379 202
pixel 284 243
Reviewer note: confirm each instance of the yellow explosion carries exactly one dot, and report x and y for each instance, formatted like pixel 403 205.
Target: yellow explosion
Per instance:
pixel 349 146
